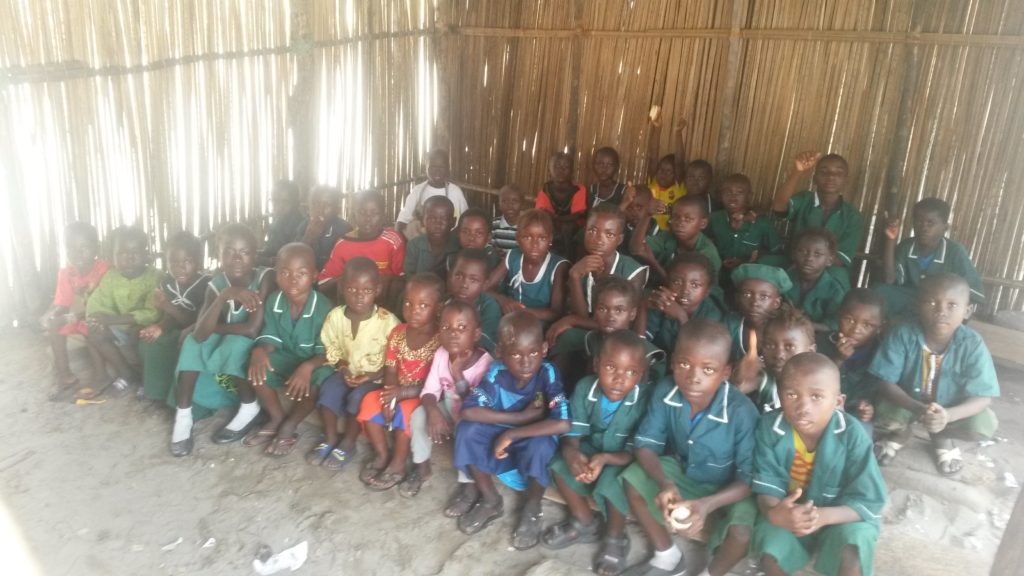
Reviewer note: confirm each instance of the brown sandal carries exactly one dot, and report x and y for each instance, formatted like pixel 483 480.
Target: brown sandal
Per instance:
pixel 282 446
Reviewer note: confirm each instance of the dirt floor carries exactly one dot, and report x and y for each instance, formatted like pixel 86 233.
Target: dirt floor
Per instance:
pixel 92 490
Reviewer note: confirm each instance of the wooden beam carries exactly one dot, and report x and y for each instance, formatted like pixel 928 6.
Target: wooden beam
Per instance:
pixel 1010 555
pixel 727 107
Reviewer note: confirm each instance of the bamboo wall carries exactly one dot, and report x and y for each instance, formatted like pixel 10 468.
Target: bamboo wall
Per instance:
pixel 922 98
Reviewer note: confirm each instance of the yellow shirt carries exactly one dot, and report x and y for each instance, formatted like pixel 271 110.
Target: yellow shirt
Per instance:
pixel 668 196
pixel 364 352
pixel 803 464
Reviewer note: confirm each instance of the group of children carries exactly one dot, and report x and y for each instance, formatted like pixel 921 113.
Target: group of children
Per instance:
pixel 683 367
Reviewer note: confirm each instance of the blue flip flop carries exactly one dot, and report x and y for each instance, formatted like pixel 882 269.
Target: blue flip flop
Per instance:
pixel 318 454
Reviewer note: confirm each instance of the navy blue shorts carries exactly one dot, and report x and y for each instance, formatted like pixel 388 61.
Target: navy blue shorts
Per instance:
pixel 342 399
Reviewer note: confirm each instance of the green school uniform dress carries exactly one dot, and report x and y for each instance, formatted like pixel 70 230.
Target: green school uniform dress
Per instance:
pixel 665 247
pixel 845 222
pixel 663 330
pixel 657 365
pixel 912 267
pixel 821 302
pixel 160 357
pixel 845 474
pixel 221 356
pixel 702 453
pixel 419 258
pixel 602 426
pixel 623 266
pixel 964 371
pixel 295 340
pixel 736 325
pixel 535 293
pixel 757 236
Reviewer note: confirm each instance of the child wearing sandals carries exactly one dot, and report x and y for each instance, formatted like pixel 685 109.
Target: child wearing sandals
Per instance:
pixel 606 410
pixel 509 427
pixel 289 353
pixel 458 366
pixel 935 371
pixel 410 350
pixel 354 336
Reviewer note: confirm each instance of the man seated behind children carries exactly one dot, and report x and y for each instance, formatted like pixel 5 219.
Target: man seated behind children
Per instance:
pixel 466 284
pixel 694 451
pixel 689 218
pixel 927 252
pixel 602 237
pixel 862 317
pixel 606 410
pixel 818 286
pixel 938 372
pixel 429 252
pixel 738 233
pixel 818 487
pixel 686 294
pixel 509 427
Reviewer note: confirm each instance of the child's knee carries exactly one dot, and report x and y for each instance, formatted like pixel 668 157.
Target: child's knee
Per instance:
pixel 739 533
pixel 849 559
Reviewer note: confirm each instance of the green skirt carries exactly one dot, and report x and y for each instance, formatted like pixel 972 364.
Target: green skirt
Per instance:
pixel 159 360
pixel 607 490
pixel 794 553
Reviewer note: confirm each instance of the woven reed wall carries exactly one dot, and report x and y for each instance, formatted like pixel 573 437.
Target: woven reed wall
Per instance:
pixel 830 75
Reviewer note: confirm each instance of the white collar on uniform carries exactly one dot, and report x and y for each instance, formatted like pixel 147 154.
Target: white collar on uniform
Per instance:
pixel 837 411
pixel 942 252
pixel 278 309
pixel 723 388
pixel 625 401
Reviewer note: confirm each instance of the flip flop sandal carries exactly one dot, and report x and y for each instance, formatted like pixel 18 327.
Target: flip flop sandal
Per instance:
pixel 948 456
pixel 283 446
pixel 612 559
pixel 259 437
pixel 480 516
pixel 318 454
pixel 565 534
pixel 885 451
pixel 411 486
pixel 385 481
pixel 368 473
pixel 335 460
pixel 527 534
pixel 460 503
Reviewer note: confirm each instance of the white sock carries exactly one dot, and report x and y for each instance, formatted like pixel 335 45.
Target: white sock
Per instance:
pixel 667 559
pixel 182 424
pixel 246 412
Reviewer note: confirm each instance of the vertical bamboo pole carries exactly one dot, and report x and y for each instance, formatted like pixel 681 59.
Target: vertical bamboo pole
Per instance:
pixel 440 20
pixel 572 126
pixel 299 110
pixel 732 76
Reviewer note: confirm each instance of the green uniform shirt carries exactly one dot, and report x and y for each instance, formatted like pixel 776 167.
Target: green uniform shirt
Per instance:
pixel 966 370
pixel 766 397
pixel 657 365
pixel 736 325
pixel 845 470
pixel 821 302
pixel 951 256
pixel 623 266
pixel 665 246
pixel 299 337
pixel 419 258
pixel 585 413
pixel 116 295
pixel 845 222
pixel 715 446
pixel 757 236
pixel 663 330
pixel 490 315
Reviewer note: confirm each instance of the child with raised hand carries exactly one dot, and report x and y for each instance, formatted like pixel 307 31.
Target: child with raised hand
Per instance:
pixel 607 188
pixel 289 352
pixel 503 228
pixel 818 286
pixel 508 428
pixel 689 219
pixel 665 179
pixel 927 252
pixel 694 457
pixel 355 336
pixel 75 283
pixel 602 238
pixel 564 199
pixel 474 233
pixel 122 304
pixel 407 358
pixel 635 208
pixel 821 207
pixel 935 371
pixel 179 298
pixel 740 235
pixel 531 277
pixel 429 252
pixel 818 488
pixel 852 347
pixel 286 220
pixel 458 367
pixel 786 334
pixel 372 240
pixel 322 227
pixel 606 410
pixel 466 283
pixel 438 183
pixel 685 295
pixel 213 365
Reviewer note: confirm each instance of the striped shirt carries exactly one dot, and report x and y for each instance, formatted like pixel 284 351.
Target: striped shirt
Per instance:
pixel 503 234
pixel 803 464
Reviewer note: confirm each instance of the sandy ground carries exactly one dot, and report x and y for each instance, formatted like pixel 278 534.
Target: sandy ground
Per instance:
pixel 92 490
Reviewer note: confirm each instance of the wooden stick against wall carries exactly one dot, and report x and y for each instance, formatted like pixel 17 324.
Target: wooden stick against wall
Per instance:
pixel 299 110
pixel 572 125
pixel 732 76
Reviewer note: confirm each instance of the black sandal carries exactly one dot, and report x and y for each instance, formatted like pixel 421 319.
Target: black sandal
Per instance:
pixel 572 531
pixel 527 534
pixel 611 560
pixel 480 516
pixel 462 501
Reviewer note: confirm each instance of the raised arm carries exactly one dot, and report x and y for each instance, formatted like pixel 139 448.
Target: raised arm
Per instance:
pixel 803 164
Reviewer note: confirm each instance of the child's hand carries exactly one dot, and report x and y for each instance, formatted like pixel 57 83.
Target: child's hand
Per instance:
pixel 259 365
pixel 534 413
pixel 654 116
pixel 594 468
pixel 578 463
pixel 438 427
pixel 355 381
pixel 892 229
pixel 731 263
pixel 589 264
pixel 935 418
pixel 799 519
pixel 629 196
pixel 247 298
pixel 865 411
pixel 668 500
pixel 509 305
pixel 557 329
pixel 150 333
pixel 844 346
pixel 805 161
pixel 754 256
pixel 694 524
pixel 298 384
pixel 656 207
pixel 664 300
pixel 502 443
pixel 749 366
pixel 388 393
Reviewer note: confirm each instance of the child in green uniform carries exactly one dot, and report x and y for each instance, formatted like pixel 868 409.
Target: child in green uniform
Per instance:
pixel 531 277
pixel 786 334
pixel 605 409
pixel 818 286
pixel 179 298
pixel 928 252
pixel 818 488
pixel 429 252
pixel 289 352
pixel 823 206
pixel 213 364
pixel 121 305
pixel 686 294
pixel 634 207
pixel 694 450
pixel 689 219
pixel 601 240
pixel 938 372
pixel 738 233
pixel 759 291
pixel 607 188
pixel 853 346
pixel 466 283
